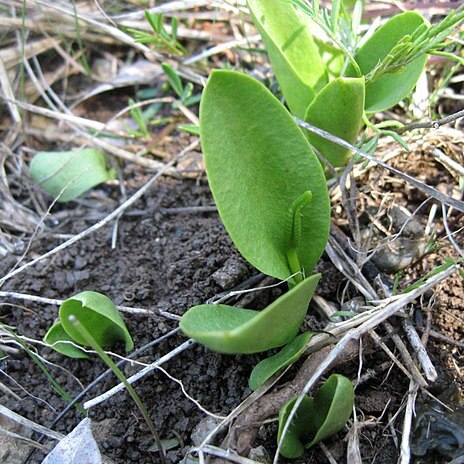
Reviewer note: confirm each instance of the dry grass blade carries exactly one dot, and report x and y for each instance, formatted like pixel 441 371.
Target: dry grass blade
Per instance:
pixel 30 424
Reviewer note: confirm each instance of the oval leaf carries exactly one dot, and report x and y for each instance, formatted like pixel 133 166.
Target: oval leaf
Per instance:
pixel 56 335
pixel 333 405
pixel 99 316
pixel 338 109
pixel 228 329
pixel 258 164
pixel 390 89
pixel 289 354
pixel 292 444
pixel 67 174
pixel 294 56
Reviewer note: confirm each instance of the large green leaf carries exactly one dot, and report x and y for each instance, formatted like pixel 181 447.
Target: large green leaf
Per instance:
pixel 389 89
pixel 292 52
pixel 67 174
pixel 290 353
pixel 332 407
pixel 228 329
pixel 98 315
pixel 338 109
pixel 260 169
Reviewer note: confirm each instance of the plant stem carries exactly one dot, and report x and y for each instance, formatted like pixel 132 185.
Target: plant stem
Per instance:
pixel 92 342
pixel 295 266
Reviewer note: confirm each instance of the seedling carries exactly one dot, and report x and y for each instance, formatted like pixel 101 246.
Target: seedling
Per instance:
pixel 185 93
pixel 316 418
pixel 333 86
pixel 139 118
pixel 68 174
pixel 270 191
pixel 160 37
pixel 97 313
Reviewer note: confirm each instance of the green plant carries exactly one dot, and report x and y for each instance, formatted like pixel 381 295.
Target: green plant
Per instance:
pixel 270 191
pixel 140 119
pixel 185 93
pixel 97 313
pixel 316 418
pixel 67 174
pixel 334 85
pixel 159 37
pixel 92 336
pixel 269 186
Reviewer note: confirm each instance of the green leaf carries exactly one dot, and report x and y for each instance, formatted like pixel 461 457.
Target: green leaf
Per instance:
pixel 57 334
pixel 286 356
pixel 319 417
pixel 190 128
pixel 338 108
pixel 292 445
pixel 69 173
pixel 292 52
pixel 389 89
pixel 228 329
pixel 173 78
pixel 332 407
pixel 333 58
pixel 97 313
pixel 167 444
pixel 259 164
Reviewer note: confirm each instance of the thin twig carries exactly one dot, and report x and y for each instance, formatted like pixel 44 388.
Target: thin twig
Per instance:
pixel 430 124
pixel 421 353
pixel 405 450
pixel 446 199
pixel 151 367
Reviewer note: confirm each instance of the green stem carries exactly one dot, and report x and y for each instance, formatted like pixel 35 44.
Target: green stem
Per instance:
pixel 93 343
pixel 295 267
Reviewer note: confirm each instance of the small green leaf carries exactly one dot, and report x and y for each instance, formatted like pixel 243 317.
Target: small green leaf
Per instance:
pixel 294 56
pixel 286 356
pixel 318 418
pixel 190 128
pixel 347 314
pixel 389 89
pixel 292 445
pixel 173 78
pixel 258 163
pixel 332 407
pixel 167 444
pixel 228 329
pixel 338 109
pixel 69 173
pixel 57 334
pixel 97 313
